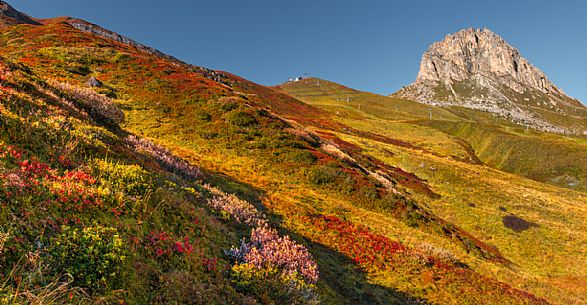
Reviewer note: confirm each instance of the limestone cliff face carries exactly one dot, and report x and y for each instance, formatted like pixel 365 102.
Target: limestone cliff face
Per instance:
pixel 480 52
pixel 475 68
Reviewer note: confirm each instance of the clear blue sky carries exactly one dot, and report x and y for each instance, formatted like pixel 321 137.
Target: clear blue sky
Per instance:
pixel 369 45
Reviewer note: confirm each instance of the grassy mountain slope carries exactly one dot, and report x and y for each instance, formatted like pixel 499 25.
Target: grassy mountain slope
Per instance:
pixel 91 213
pixel 487 202
pixel 364 221
pixel 555 159
pixel 543 157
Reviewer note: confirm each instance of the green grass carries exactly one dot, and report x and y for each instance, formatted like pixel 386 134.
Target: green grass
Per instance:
pixel 349 103
pixel 549 158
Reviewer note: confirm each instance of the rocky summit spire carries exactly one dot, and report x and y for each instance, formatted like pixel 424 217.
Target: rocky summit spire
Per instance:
pixel 475 68
pixel 10 16
pixel 480 52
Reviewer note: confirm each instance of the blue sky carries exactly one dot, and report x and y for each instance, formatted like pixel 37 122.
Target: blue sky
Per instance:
pixel 369 45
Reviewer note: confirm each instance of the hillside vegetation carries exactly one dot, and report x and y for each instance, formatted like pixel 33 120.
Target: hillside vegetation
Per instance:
pixel 550 158
pixel 175 184
pixel 525 219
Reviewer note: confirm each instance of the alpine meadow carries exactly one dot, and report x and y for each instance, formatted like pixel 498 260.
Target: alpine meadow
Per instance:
pixel 128 176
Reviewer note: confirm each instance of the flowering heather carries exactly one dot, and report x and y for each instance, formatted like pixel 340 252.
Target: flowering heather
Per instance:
pixel 164 157
pixel 241 210
pixel 96 104
pixel 268 250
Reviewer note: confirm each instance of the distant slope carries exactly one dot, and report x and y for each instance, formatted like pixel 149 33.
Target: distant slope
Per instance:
pixel 348 101
pixel 9 16
pixel 543 157
pixel 486 201
pixel 378 114
pixel 496 142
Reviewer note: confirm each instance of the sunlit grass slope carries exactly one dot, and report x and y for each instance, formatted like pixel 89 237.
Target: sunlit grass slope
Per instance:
pixel 538 226
pixel 553 159
pixel 550 158
pixel 364 222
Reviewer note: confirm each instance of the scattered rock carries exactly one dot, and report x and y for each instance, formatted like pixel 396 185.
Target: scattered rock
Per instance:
pixel 94 82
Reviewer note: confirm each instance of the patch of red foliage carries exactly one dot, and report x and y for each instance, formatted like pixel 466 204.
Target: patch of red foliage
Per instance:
pixel 368 250
pixel 72 190
pixel 161 244
pixel 376 252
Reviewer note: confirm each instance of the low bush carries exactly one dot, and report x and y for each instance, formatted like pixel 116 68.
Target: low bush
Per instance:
pixel 233 207
pixel 208 135
pixel 267 250
pixel 132 179
pixel 100 107
pixel 300 156
pixel 94 256
pixel 241 118
pixel 164 157
pixel 325 174
pixel 269 286
pixel 203 116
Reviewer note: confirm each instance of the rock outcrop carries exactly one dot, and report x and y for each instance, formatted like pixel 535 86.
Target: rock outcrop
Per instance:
pixel 481 52
pixel 477 69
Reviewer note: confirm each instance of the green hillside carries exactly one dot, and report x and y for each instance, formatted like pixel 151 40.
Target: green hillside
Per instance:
pixel 478 197
pixel 554 159
pixel 549 158
pixel 130 177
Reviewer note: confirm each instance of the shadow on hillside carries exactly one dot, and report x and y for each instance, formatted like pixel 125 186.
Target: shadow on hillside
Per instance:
pixel 341 275
pixel 341 280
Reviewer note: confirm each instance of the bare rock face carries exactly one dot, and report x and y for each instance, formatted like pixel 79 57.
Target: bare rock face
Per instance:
pixel 474 51
pixel 477 69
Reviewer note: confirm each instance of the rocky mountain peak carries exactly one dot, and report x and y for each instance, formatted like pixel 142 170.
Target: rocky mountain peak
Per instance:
pixel 477 69
pixel 10 16
pixel 471 52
